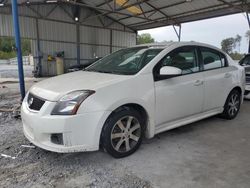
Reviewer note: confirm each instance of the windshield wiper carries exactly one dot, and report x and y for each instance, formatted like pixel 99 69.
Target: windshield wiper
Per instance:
pixel 101 71
pixel 111 72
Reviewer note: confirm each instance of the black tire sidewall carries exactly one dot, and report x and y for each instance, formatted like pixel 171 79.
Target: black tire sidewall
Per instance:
pixel 108 127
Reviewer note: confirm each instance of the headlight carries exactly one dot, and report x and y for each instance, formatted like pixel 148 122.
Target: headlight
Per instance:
pixel 69 104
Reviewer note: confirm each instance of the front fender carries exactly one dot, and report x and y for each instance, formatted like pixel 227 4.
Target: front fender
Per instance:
pixel 150 130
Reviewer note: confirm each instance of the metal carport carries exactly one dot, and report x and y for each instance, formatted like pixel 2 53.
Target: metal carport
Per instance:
pixel 128 15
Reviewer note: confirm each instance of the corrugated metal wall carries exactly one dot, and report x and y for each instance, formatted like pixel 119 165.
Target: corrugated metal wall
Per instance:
pixel 57 31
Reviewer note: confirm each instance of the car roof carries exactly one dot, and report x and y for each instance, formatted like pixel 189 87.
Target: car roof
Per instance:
pixel 165 45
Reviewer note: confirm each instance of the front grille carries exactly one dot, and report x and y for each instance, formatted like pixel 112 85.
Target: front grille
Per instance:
pixel 34 102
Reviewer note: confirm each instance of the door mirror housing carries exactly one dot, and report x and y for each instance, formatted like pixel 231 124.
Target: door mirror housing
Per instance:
pixel 241 62
pixel 245 61
pixel 169 72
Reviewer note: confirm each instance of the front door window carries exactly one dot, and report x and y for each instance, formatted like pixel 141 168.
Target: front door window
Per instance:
pixel 183 58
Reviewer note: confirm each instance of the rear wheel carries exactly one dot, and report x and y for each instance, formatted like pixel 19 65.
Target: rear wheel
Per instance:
pixel 122 133
pixel 232 105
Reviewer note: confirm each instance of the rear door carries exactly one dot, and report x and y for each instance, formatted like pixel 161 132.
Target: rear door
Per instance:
pixel 217 78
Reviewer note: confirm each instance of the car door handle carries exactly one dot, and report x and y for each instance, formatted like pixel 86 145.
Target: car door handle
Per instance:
pixel 198 82
pixel 227 75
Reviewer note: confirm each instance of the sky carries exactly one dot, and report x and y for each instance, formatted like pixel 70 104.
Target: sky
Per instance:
pixel 211 31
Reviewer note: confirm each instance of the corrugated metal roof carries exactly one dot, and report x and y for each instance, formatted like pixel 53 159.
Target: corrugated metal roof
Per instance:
pixel 146 14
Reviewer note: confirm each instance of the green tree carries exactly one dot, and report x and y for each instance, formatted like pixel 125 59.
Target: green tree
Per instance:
pixel 7 44
pixel 145 38
pixel 26 46
pixel 236 56
pixel 237 41
pixel 228 44
pixel 247 35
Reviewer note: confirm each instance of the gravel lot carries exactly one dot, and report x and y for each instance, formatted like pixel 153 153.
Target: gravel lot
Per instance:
pixel 209 153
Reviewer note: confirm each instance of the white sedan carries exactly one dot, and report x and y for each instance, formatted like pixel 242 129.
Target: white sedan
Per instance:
pixel 133 93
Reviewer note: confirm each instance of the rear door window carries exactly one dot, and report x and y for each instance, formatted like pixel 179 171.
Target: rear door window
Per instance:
pixel 212 59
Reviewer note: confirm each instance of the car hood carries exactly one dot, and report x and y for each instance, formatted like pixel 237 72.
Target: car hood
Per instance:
pixel 53 89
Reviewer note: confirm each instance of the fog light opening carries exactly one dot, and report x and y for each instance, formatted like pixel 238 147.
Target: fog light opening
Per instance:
pixel 57 138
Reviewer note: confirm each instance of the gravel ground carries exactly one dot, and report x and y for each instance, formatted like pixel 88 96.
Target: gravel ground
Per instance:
pixel 213 153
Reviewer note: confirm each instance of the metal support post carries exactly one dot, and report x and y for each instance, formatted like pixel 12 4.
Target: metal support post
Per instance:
pixel 178 33
pixel 78 44
pixel 248 20
pixel 18 47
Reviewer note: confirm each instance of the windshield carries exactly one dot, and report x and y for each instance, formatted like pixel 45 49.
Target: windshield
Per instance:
pixel 126 61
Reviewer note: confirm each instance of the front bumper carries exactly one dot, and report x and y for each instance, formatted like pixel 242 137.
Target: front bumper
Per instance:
pixel 80 132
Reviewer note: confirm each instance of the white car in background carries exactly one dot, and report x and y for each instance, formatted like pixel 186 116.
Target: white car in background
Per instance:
pixel 132 93
pixel 245 62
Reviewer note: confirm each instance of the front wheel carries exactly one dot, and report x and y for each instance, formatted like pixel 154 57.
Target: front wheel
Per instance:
pixel 232 105
pixel 122 133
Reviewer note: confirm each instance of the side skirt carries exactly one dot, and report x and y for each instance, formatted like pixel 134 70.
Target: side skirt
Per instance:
pixel 187 120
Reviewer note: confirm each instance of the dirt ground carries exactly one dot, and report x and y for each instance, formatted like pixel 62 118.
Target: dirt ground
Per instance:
pixel 207 154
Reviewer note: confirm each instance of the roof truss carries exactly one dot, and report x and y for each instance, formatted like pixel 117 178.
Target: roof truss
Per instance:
pixel 153 13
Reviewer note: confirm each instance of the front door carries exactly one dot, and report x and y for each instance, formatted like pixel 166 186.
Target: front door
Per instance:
pixel 180 96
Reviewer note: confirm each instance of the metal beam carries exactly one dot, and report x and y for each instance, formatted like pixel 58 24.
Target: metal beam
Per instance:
pixel 233 5
pixel 106 2
pixel 178 33
pixel 163 13
pixel 131 5
pixel 111 41
pixel 52 10
pixel 122 7
pixel 66 12
pixel 72 23
pixel 174 16
pixel 78 44
pixel 115 12
pixel 98 10
pixel 100 20
pixel 248 20
pixel 34 11
pixel 161 8
pixel 177 15
pixel 39 71
pixel 18 47
pixel 105 12
pixel 192 17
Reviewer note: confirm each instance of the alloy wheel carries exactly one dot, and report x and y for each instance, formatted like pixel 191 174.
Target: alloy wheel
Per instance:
pixel 125 134
pixel 233 104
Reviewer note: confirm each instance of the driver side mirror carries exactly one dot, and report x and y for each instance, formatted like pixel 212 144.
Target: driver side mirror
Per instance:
pixel 169 72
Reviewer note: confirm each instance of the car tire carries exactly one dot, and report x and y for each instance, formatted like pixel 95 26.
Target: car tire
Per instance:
pixel 232 105
pixel 122 132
